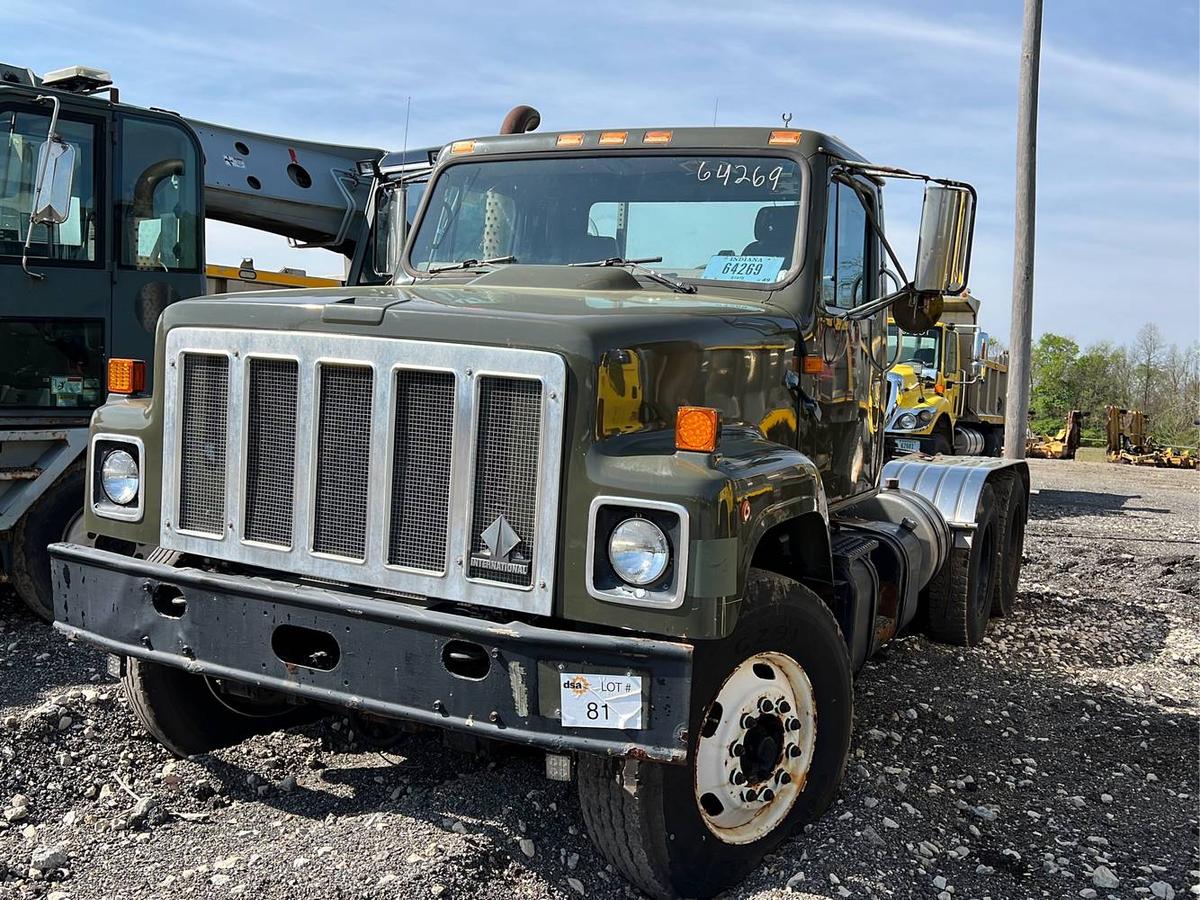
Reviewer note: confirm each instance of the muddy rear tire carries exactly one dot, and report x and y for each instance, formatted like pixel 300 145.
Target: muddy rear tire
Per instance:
pixel 959 597
pixel 55 516
pixel 182 711
pixel 688 830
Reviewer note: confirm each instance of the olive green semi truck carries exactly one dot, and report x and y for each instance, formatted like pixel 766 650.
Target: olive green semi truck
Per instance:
pixel 602 473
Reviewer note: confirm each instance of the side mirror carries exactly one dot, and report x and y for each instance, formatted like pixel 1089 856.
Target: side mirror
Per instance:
pixel 981 344
pixel 56 174
pixel 944 245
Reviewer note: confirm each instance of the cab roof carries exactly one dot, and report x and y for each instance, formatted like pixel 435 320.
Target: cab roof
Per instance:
pixel 807 143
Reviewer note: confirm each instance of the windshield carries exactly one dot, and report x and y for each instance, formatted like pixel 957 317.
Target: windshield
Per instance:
pixel 723 218
pixel 21 137
pixel 915 348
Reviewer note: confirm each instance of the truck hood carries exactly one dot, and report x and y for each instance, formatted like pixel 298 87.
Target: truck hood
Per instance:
pixel 640 353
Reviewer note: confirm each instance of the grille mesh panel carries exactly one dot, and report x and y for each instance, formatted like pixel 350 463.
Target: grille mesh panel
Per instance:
pixel 506 468
pixel 343 460
pixel 202 458
pixel 421 461
pixel 271 450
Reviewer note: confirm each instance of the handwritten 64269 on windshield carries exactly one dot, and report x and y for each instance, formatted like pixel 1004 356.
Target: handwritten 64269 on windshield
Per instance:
pixel 739 173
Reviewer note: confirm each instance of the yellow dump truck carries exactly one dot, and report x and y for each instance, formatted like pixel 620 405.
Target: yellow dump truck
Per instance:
pixel 945 392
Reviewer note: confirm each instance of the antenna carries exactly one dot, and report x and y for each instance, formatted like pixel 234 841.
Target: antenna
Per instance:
pixel 787 120
pixel 407 116
pixel 716 106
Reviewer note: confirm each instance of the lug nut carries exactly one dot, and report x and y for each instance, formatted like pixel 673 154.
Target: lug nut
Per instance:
pixel 737 777
pixel 750 795
pixel 767 795
pixel 736 749
pixel 747 721
pixel 765 705
pixel 782 778
pixel 784 707
pixel 793 724
pixel 794 751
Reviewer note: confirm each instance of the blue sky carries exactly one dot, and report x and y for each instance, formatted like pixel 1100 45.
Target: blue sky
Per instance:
pixel 925 85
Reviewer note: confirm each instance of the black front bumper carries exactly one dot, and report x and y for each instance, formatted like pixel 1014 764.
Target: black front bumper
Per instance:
pixel 389 654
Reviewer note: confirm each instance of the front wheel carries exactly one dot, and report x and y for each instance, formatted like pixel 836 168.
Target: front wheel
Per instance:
pixel 770 723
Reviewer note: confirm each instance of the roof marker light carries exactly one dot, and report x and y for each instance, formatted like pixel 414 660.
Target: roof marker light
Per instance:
pixel 656 137
pixel 610 138
pixel 462 147
pixel 788 138
pixel 574 139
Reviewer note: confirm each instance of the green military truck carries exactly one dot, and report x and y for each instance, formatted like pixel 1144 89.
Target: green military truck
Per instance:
pixel 102 212
pixel 605 476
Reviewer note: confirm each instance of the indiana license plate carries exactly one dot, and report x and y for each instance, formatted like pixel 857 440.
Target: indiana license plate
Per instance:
pixel 909 446
pixel 588 700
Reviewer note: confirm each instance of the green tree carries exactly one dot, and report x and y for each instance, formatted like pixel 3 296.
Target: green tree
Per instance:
pixel 1054 392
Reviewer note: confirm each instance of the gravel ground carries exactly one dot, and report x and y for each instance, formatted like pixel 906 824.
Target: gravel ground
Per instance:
pixel 1057 760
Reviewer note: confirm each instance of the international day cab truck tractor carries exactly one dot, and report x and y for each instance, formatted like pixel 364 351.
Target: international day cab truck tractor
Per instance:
pixel 605 475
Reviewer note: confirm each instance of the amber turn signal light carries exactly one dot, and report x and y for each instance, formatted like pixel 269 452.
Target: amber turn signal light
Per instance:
pixel 126 376
pixel 696 429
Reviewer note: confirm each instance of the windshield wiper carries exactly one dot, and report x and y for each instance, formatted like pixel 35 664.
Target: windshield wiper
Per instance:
pixel 472 263
pixel 676 285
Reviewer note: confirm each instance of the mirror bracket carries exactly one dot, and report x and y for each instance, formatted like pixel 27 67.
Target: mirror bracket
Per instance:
pixel 45 159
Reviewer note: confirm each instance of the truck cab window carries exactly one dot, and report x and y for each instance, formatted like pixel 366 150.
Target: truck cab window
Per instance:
pixel 843 285
pixel 712 218
pixel 21 137
pixel 159 197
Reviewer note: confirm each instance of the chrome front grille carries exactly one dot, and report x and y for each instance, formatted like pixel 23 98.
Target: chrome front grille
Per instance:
pixel 343 460
pixel 203 441
pixel 411 467
pixel 505 484
pixel 423 444
pixel 271 450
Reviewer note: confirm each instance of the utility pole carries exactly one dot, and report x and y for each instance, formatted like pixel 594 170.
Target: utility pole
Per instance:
pixel 1021 334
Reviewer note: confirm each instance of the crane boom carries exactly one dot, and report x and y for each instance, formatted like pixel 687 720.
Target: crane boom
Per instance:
pixel 307 191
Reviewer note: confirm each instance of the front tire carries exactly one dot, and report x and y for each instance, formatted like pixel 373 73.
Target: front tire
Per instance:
pixel 183 711
pixel 56 516
pixel 770 724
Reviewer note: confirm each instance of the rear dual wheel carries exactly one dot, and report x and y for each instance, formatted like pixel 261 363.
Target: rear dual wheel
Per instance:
pixel 981 580
pixel 770 723
pixel 959 597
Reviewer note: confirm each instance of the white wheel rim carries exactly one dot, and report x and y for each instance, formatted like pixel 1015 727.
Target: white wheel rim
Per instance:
pixel 755 748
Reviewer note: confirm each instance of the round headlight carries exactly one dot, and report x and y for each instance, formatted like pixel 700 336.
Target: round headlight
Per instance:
pixel 119 476
pixel 906 421
pixel 638 551
pixel 925 415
